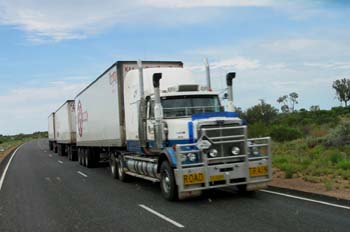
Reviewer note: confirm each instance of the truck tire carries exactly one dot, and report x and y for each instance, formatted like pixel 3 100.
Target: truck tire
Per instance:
pixel 63 150
pixel 123 177
pixel 167 182
pixel 59 149
pixel 55 148
pixel 83 150
pixel 89 162
pixel 50 145
pixel 79 156
pixel 69 151
pixel 113 167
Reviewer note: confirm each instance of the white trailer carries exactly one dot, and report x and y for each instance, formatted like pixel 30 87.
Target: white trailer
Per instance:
pixel 100 111
pixel 65 129
pixel 153 120
pixel 51 131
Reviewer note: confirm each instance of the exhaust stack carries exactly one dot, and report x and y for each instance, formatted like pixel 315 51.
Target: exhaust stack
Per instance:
pixel 142 108
pixel 158 111
pixel 229 78
pixel 207 70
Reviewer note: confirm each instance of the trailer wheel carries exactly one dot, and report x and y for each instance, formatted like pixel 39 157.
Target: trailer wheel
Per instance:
pixel 50 145
pixel 167 182
pixel 114 167
pixel 69 151
pixel 79 156
pixel 55 147
pixel 83 154
pixel 89 161
pixel 59 149
pixel 121 172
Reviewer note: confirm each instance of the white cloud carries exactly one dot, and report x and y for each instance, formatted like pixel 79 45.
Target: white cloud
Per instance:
pixel 207 3
pixel 235 63
pixel 24 109
pixel 329 65
pixel 44 20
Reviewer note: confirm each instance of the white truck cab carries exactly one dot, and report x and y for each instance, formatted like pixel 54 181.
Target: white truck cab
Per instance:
pixel 192 142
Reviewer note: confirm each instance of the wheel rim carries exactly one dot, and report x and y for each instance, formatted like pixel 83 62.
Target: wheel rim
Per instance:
pixel 166 182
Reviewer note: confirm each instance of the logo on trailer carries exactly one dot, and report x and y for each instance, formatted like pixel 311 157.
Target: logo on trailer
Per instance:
pixel 82 117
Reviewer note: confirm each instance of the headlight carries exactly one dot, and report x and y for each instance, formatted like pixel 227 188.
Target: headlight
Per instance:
pixel 183 157
pixel 253 150
pixel 191 157
pixel 235 150
pixel 213 153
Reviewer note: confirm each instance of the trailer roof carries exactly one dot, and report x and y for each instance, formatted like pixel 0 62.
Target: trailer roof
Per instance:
pixel 117 63
pixel 53 113
pixel 63 105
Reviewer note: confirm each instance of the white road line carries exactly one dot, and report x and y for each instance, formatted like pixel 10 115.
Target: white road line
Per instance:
pixel 7 166
pixel 162 216
pixel 306 199
pixel 81 173
pixel 60 161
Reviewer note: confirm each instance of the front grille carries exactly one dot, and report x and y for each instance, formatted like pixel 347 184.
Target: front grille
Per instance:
pixel 225 138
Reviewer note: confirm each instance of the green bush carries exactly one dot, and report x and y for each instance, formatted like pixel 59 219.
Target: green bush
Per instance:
pixel 344 164
pixel 257 130
pixel 284 133
pixel 340 135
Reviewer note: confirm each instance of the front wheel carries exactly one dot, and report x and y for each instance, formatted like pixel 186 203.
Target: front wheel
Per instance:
pixel 167 182
pixel 121 170
pixel 114 167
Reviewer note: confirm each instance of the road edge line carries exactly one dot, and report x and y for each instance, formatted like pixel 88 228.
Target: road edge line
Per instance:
pixel 162 216
pixel 2 179
pixel 306 199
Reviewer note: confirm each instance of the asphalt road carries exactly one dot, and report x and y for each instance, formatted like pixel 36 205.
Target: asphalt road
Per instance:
pixel 45 192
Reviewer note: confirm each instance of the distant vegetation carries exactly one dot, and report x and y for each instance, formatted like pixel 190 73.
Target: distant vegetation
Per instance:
pixel 311 144
pixel 9 141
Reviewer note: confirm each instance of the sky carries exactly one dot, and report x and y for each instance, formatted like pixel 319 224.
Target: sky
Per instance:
pixel 50 50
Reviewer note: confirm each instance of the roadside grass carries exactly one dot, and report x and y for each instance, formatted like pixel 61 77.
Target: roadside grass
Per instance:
pixel 9 142
pixel 315 164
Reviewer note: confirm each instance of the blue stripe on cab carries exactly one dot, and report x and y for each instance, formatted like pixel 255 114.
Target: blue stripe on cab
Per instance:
pixel 214 114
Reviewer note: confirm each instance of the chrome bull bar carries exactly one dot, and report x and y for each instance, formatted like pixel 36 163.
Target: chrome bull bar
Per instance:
pixel 227 170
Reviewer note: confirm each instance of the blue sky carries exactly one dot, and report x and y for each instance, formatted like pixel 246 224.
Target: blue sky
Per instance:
pixel 49 50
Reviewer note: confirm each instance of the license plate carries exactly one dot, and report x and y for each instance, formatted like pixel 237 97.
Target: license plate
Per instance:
pixel 217 178
pixel 193 178
pixel 258 170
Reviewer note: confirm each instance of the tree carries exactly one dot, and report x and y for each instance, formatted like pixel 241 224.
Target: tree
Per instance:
pixel 288 102
pixel 284 101
pixel 342 90
pixel 314 108
pixel 293 98
pixel 261 112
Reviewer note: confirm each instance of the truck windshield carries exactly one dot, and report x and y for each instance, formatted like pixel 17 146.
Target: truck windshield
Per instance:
pixel 184 106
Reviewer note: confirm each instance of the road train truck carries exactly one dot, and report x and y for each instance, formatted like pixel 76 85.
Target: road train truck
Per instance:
pixel 65 130
pixel 153 120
